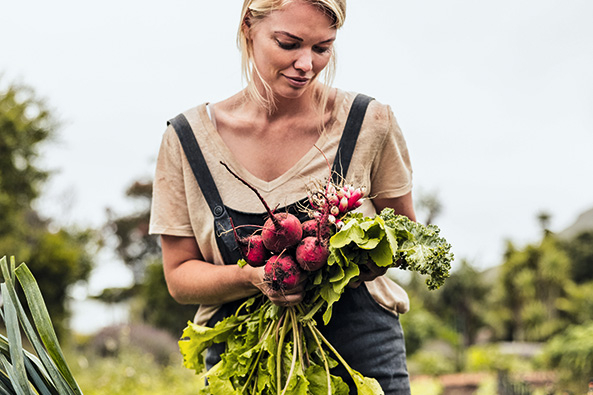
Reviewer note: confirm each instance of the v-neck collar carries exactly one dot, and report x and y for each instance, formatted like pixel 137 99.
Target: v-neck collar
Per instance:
pixel 295 170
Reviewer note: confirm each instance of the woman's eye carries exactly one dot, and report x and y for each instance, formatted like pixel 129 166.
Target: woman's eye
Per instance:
pixel 321 50
pixel 284 45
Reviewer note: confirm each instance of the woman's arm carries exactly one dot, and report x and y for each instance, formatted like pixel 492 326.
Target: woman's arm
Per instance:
pixel 191 280
pixel 402 205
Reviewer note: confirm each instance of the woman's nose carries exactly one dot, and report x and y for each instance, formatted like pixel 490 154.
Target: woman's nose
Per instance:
pixel 304 62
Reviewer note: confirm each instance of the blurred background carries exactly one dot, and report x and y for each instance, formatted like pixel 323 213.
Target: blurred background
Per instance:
pixel 495 100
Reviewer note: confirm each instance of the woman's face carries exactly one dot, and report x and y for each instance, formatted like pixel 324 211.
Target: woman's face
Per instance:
pixel 291 47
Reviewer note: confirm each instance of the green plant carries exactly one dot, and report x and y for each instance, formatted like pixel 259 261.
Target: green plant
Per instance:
pixel 570 354
pixel 426 385
pixel 431 363
pixel 133 371
pixel 21 371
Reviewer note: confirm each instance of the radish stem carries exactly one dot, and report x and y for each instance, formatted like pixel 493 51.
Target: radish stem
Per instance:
pixel 328 344
pixel 295 347
pixel 313 330
pixel 259 354
pixel 254 190
pixel 279 356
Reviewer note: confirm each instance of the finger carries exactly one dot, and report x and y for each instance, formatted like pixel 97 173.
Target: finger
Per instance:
pixel 376 270
pixel 355 284
pixel 281 298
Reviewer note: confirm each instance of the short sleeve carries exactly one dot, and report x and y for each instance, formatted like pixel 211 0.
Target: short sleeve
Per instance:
pixel 391 174
pixel 169 212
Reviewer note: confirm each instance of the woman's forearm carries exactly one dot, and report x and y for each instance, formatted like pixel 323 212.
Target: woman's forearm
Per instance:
pixel 198 282
pixel 191 280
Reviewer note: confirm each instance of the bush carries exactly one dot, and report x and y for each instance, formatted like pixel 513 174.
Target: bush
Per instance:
pixel 489 358
pixel 426 385
pixel 430 363
pixel 133 372
pixel 570 354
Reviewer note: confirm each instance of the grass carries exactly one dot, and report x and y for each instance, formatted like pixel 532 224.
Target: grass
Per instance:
pixel 132 372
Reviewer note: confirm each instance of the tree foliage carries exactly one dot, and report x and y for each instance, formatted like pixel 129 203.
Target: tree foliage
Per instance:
pixel 159 308
pixel 25 123
pixel 462 300
pixel 580 251
pixel 60 257
pixel 524 298
pixel 532 296
pixel 135 247
pixel 141 252
pixel 570 354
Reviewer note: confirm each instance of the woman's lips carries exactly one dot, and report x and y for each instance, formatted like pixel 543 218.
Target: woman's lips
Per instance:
pixel 297 81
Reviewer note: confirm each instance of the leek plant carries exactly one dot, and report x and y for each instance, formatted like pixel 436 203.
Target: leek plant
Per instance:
pixel 44 371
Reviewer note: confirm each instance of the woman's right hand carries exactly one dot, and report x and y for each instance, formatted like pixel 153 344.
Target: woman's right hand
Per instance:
pixel 289 297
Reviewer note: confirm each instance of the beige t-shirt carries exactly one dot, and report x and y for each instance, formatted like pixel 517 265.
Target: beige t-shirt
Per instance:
pixel 380 162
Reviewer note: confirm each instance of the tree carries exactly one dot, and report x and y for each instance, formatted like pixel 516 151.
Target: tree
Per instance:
pixel 25 122
pixel 134 245
pixel 59 258
pixel 429 204
pixel 141 252
pixel 570 355
pixel 531 280
pixel 580 251
pixel 462 300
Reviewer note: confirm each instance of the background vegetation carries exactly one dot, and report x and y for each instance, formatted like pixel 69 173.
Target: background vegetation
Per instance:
pixel 539 300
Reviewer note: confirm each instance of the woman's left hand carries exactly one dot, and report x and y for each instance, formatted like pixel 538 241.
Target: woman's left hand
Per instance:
pixel 368 272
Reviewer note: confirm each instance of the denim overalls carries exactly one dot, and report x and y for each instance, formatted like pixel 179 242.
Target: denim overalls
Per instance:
pixel 368 336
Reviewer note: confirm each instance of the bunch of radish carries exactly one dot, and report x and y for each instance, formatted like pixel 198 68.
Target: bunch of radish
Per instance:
pixel 288 248
pixel 280 350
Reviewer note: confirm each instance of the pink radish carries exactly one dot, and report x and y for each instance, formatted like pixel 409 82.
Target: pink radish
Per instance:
pixel 282 272
pixel 355 197
pixel 281 230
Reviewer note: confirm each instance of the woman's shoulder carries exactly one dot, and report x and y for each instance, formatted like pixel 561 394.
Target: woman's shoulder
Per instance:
pixel 377 112
pixel 196 118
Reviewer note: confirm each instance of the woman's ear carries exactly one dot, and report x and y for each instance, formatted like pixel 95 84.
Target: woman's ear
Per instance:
pixel 246 25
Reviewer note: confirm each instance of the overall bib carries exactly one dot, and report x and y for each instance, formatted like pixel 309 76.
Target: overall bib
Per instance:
pixel 368 336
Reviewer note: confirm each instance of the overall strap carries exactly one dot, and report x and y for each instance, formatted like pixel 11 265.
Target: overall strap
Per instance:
pixel 349 137
pixel 222 222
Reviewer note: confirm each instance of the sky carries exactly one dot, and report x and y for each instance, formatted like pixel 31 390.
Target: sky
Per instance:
pixel 495 100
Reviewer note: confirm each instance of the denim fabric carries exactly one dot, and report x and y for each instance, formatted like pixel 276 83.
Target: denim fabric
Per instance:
pixel 370 339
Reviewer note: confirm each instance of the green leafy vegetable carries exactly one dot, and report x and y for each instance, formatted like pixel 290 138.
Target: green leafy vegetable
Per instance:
pixel 22 372
pixel 276 350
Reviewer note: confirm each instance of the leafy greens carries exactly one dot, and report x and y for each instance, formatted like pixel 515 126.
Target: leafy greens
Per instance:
pixel 280 350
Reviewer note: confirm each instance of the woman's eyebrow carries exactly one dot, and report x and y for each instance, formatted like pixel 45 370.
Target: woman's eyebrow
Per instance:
pixel 289 35
pixel 300 39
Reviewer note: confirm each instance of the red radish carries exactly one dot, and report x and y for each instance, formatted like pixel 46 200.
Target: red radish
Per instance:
pixel 252 248
pixel 311 253
pixel 281 230
pixel 282 272
pixel 311 226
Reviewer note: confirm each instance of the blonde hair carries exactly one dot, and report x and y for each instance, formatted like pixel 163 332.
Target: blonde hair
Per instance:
pixel 256 10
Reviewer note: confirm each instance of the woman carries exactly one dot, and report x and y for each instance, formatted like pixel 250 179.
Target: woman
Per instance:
pixel 269 134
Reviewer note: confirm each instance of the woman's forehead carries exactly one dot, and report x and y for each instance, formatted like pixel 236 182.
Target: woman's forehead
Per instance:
pixel 300 17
